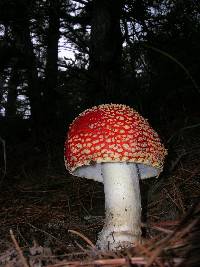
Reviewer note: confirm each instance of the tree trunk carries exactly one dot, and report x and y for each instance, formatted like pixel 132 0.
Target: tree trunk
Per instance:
pixel 11 104
pixel 24 45
pixel 1 94
pixel 51 71
pixel 105 50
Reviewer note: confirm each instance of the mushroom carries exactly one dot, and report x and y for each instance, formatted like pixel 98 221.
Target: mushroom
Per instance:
pixel 114 145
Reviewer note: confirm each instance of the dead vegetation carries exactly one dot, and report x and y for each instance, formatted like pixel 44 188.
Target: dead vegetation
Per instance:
pixel 53 220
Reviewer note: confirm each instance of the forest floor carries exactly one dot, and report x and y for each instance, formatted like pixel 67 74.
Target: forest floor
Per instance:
pixel 52 219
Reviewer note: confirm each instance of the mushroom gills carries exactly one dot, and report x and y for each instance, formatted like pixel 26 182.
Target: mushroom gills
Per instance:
pixel 94 171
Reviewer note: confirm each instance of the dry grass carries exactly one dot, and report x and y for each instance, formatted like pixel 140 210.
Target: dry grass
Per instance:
pixel 173 249
pixel 37 212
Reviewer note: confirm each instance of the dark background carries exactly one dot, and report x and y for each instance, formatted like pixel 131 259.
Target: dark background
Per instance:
pixel 142 53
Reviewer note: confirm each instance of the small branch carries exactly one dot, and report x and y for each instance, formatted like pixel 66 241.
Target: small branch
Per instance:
pixel 140 261
pixel 18 249
pixel 183 129
pixel 83 237
pixel 178 63
pixel 46 233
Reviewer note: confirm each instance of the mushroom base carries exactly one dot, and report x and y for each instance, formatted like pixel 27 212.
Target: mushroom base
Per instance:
pixel 116 240
pixel 122 226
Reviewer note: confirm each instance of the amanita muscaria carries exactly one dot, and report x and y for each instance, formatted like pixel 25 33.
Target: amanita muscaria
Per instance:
pixel 114 145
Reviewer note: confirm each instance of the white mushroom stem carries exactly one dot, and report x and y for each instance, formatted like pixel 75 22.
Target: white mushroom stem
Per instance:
pixel 122 226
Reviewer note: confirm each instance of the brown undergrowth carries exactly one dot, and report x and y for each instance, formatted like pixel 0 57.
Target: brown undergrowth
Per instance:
pixel 53 220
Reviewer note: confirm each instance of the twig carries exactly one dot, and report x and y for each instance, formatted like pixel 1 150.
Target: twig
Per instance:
pixel 183 129
pixel 178 63
pixel 18 249
pixel 161 229
pixel 140 261
pixel 87 240
pixel 48 234
pixel 151 255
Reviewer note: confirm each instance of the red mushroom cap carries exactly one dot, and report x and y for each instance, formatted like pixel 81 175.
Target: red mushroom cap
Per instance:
pixel 112 133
